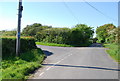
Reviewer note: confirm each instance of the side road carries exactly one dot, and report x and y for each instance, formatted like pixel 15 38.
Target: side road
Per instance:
pixel 77 63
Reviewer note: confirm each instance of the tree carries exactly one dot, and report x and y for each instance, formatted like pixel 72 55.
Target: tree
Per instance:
pixel 81 34
pixel 31 30
pixel 104 32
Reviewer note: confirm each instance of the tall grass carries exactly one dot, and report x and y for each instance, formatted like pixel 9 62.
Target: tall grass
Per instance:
pixel 113 51
pixel 20 67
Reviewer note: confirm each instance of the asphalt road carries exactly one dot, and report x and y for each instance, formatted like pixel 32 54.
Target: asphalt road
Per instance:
pixel 77 63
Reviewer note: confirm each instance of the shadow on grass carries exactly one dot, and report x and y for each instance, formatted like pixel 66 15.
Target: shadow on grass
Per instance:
pixel 90 67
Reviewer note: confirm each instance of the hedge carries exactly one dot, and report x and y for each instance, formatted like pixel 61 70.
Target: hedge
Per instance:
pixel 9 45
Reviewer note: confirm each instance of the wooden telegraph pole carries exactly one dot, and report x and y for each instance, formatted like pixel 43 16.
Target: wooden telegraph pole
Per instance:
pixel 20 9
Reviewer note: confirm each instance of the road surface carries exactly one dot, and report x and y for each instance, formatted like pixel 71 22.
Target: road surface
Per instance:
pixel 76 63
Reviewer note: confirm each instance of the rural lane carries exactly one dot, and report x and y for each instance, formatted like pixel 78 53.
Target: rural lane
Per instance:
pixel 76 63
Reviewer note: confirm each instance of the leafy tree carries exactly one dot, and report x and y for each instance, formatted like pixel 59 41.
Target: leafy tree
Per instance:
pixel 105 33
pixel 31 30
pixel 81 34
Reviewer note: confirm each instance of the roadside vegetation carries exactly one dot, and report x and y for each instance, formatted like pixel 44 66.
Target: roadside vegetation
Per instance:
pixel 22 66
pixel 108 36
pixel 31 57
pixel 113 51
pixel 79 35
pixel 53 44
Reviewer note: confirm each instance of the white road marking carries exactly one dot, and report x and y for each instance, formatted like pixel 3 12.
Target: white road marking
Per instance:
pixel 55 64
pixel 58 62
pixel 48 68
pixel 41 73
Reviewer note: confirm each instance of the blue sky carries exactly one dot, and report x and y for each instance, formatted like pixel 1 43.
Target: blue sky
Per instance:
pixel 58 14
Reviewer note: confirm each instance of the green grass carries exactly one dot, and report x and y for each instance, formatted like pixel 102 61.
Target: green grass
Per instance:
pixel 53 44
pixel 113 51
pixel 21 67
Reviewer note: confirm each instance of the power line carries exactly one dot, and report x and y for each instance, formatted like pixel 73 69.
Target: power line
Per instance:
pixel 99 10
pixel 71 11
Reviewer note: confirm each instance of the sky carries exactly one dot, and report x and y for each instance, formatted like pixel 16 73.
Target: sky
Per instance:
pixel 58 14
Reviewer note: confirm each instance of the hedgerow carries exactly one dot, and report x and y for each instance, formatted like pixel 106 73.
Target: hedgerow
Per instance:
pixel 22 66
pixel 9 45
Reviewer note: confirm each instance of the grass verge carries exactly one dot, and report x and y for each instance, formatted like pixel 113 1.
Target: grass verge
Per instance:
pixel 113 51
pixel 54 44
pixel 21 67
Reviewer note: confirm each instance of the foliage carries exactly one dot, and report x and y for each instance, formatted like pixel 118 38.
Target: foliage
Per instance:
pixel 20 67
pixel 78 36
pixel 81 34
pixel 107 33
pixel 31 30
pixel 54 35
pixel 8 33
pixel 113 51
pixel 9 45
pixel 94 40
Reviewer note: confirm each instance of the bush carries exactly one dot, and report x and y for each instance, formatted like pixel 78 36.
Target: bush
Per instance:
pixel 9 45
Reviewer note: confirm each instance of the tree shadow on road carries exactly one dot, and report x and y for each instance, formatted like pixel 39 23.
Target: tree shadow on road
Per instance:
pixel 96 45
pixel 90 67
pixel 47 53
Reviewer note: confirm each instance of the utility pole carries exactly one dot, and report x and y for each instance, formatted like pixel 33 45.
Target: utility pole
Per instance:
pixel 20 9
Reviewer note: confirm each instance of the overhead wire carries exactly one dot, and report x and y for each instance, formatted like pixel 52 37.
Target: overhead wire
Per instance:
pixel 71 11
pixel 90 6
pixel 99 11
